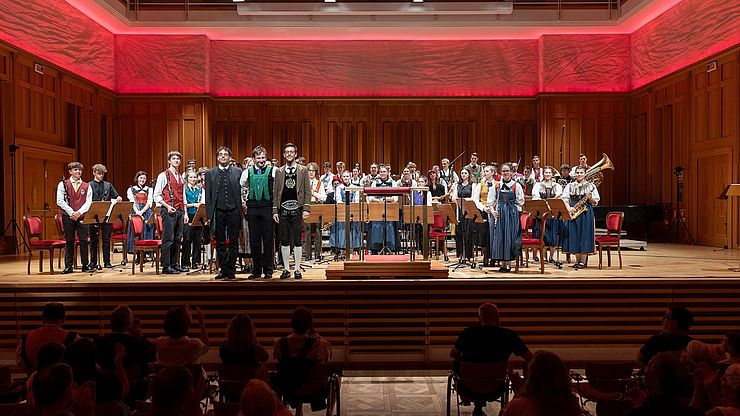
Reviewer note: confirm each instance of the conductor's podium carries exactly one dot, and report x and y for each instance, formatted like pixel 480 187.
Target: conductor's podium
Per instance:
pixel 386 267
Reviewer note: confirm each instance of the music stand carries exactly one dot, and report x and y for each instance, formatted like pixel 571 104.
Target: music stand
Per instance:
pixel 560 211
pixel 348 213
pixel 447 211
pixel 471 212
pixel 538 207
pixel 416 215
pixel 385 212
pixel 119 211
pixel 199 220
pixel 97 215
pixel 731 190
pixel 316 216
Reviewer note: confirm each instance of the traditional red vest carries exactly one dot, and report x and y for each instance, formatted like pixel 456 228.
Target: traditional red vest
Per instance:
pixel 76 199
pixel 176 188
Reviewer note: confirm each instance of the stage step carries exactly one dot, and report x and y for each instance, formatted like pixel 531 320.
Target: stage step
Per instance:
pixel 387 267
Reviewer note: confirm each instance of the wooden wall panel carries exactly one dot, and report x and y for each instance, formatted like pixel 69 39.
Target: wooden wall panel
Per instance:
pixel 37 104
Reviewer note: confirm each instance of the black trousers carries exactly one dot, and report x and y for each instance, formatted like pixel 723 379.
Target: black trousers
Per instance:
pixel 172 225
pixel 94 242
pixel 191 244
pixel 70 228
pixel 228 224
pixel 261 239
pixel 464 238
pixel 289 228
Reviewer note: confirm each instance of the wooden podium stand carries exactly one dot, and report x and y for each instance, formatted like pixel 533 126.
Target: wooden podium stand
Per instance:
pixel 731 190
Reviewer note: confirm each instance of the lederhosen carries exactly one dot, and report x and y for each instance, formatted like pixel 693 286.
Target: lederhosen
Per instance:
pixel 291 213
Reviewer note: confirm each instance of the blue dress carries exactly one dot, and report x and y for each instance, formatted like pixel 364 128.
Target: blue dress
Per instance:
pixel 581 231
pixel 141 196
pixel 337 238
pixel 551 225
pixel 506 235
pixel 375 237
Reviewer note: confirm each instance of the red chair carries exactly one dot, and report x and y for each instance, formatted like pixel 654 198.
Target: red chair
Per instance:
pixel 529 242
pixel 613 237
pixel 119 236
pixel 34 230
pixel 438 234
pixel 142 246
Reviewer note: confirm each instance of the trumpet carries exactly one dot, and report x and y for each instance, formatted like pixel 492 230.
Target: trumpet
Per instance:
pixel 594 175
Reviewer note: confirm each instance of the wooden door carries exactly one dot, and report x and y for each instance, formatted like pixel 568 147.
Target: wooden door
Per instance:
pixel 40 178
pixel 715 174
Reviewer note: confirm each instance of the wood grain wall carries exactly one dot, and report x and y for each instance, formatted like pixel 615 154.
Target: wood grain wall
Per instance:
pixel 688 119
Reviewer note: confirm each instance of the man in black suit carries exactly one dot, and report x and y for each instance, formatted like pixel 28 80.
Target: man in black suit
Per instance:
pixel 223 208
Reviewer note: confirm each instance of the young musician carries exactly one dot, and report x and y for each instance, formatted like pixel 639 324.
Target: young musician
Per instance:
pixel 327 177
pixel 526 180
pixel 565 177
pixel 480 197
pixel 192 236
pixel 580 238
pixel 437 188
pixel 464 229
pixel 143 197
pixel 419 200
pixel 506 202
pixel 258 183
pixel 473 167
pixel 375 236
pixel 338 239
pixel 537 173
pixel 245 251
pixel 447 175
pixel 547 189
pixel 169 192
pixel 582 161
pixel 224 209
pixel 101 191
pixel 318 196
pixel 290 207
pixel 356 179
pixel 371 177
pixel 74 198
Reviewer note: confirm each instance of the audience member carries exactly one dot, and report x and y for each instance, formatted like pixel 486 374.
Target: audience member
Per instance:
pixel 176 348
pixel 51 331
pixel 110 383
pixel 49 354
pixel 487 343
pixel 667 387
pixel 730 394
pixel 57 395
pixel 674 337
pixel 240 346
pixel 175 394
pixel 125 330
pixel 258 399
pixel 731 347
pixel 547 390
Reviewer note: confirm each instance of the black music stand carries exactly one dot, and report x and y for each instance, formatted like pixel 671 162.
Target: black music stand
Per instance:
pixel 119 211
pixel 560 211
pixel 200 220
pixel 538 207
pixel 416 216
pixel 97 215
pixel 316 216
pixel 472 212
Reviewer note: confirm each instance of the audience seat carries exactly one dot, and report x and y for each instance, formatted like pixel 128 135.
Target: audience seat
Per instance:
pixel 478 382
pixel 604 381
pixel 613 238
pixel 225 409
pixel 320 377
pixel 34 230
pixel 232 379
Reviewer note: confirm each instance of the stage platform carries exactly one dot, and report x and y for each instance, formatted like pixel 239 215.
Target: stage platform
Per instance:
pixel 406 323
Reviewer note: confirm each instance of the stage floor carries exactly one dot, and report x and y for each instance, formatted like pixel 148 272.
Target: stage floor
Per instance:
pixel 658 261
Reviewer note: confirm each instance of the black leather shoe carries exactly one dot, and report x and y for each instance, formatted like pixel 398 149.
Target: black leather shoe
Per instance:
pixel 220 276
pixel 67 270
pixel 285 275
pixel 108 266
pixel 298 275
pixel 253 276
pixel 268 276
pixel 183 269
pixel 86 269
pixel 170 270
pixel 232 276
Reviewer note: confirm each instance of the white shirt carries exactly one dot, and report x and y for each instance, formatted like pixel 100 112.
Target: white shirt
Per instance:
pixel 573 189
pixel 391 199
pixel 477 188
pixel 536 190
pixel 445 175
pixel 542 174
pixel 493 196
pixel 161 185
pixel 320 195
pixel 132 197
pixel 62 201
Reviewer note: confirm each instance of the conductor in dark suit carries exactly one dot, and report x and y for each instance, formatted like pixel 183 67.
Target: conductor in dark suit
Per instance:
pixel 223 208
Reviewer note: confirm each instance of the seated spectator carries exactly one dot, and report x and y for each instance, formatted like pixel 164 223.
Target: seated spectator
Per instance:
pixel 57 395
pixel 258 399
pixel 125 330
pixel 110 383
pixel 730 394
pixel 698 353
pixel 487 343
pixel 49 354
pixel 176 348
pixel 240 346
pixel 297 354
pixel 731 347
pixel 175 394
pixel 51 331
pixel 547 390
pixel 674 337
pixel 667 385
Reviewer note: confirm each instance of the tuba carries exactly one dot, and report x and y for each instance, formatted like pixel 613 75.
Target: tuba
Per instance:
pixel 595 176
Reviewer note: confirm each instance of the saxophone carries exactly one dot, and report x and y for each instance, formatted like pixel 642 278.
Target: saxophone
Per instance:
pixel 594 175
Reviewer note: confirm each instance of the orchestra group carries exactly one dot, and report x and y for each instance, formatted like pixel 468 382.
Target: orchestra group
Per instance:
pixel 246 204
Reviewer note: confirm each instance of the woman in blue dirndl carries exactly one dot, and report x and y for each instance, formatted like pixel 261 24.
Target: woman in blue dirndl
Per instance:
pixel 142 197
pixel 547 189
pixel 337 238
pixel 506 205
pixel 581 231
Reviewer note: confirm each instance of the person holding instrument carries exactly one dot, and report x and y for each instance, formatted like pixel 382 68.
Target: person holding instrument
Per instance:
pixel 581 231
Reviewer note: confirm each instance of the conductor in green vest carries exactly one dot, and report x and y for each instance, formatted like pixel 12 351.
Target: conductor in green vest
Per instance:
pixel 258 183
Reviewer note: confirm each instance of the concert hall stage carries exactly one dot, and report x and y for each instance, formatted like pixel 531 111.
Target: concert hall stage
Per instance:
pixel 409 323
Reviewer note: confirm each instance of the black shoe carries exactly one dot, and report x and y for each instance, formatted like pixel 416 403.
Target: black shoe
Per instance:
pixel 248 268
pixel 86 269
pixel 478 411
pixel 67 270
pixel 108 266
pixel 504 269
pixel 183 269
pixel 253 276
pixel 268 276
pixel 579 266
pixel 285 275
pixel 298 275
pixel 232 276
pixel 170 270
pixel 220 276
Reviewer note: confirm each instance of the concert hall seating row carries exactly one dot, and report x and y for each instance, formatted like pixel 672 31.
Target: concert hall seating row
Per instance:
pixel 408 324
